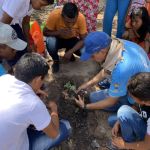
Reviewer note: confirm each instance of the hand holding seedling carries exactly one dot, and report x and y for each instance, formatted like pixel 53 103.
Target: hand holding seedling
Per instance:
pixel 82 87
pixel 80 102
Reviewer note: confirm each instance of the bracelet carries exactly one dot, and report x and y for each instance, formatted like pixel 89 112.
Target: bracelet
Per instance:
pixel 54 114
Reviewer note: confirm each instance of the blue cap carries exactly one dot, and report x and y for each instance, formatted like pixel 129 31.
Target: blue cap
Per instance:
pixel 94 42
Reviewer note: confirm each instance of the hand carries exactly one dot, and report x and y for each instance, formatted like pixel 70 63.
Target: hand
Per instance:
pixel 115 129
pixel 68 55
pixel 52 106
pixel 42 93
pixel 118 142
pixel 82 87
pixel 64 32
pixel 80 102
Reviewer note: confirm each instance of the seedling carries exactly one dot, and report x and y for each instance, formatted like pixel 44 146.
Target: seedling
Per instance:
pixel 69 86
pixel 70 91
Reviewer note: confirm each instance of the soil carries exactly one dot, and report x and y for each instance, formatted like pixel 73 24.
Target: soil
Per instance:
pixel 90 130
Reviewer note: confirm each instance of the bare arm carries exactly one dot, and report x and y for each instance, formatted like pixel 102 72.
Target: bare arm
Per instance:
pixel 79 45
pixel 48 32
pixel 6 18
pixel 101 75
pixel 108 102
pixel 143 145
pixel 26 27
pixel 52 130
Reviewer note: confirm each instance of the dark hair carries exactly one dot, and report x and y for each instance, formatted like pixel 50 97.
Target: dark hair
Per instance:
pixel 49 1
pixel 139 86
pixel 145 28
pixel 30 66
pixel 70 10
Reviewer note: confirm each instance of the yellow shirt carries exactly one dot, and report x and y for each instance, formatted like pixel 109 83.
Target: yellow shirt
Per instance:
pixel 55 22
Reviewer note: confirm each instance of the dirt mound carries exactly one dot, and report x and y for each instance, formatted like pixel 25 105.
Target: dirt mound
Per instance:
pixel 90 129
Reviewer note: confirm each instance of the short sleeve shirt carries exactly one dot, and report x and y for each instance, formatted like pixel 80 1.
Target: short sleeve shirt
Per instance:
pixel 17 9
pixel 134 60
pixel 19 108
pixel 55 22
pixel 145 114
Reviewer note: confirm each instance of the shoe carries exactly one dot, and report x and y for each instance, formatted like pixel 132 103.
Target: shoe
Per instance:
pixel 55 67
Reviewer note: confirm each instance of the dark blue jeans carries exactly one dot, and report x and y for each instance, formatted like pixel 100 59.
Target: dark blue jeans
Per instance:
pixel 38 140
pixel 53 44
pixel 102 95
pixel 133 127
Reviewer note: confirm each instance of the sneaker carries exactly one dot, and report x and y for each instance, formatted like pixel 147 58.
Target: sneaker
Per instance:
pixel 55 67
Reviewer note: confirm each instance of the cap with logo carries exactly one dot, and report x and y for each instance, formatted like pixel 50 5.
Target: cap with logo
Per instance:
pixel 9 37
pixel 94 42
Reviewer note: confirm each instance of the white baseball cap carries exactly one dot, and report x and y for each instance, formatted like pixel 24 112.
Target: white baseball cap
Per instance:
pixel 9 37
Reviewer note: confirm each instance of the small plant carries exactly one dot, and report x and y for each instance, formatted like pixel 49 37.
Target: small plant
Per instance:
pixel 69 86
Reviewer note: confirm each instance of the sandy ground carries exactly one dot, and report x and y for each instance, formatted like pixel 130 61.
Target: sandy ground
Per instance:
pixel 90 132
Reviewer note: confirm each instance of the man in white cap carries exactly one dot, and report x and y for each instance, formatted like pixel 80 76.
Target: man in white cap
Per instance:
pixel 17 13
pixel 9 44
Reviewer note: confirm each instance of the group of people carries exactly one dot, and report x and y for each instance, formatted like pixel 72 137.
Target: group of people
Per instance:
pixel 26 122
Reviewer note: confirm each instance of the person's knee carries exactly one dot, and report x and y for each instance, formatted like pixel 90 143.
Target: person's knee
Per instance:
pixel 67 129
pixel 125 112
pixel 51 43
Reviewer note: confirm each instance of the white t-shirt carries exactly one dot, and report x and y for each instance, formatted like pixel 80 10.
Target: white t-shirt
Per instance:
pixel 19 108
pixel 17 9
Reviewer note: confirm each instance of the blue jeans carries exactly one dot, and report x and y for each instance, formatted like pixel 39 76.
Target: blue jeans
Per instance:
pixel 103 94
pixel 38 140
pixel 113 6
pixel 133 127
pixel 53 44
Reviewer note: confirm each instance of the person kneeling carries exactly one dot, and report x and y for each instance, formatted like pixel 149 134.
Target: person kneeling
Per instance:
pixel 21 107
pixel 135 125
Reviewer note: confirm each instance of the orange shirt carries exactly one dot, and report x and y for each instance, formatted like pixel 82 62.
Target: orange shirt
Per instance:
pixel 55 22
pixel 148 8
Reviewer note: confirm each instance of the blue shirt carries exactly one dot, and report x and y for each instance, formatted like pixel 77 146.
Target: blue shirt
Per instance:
pixel 135 60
